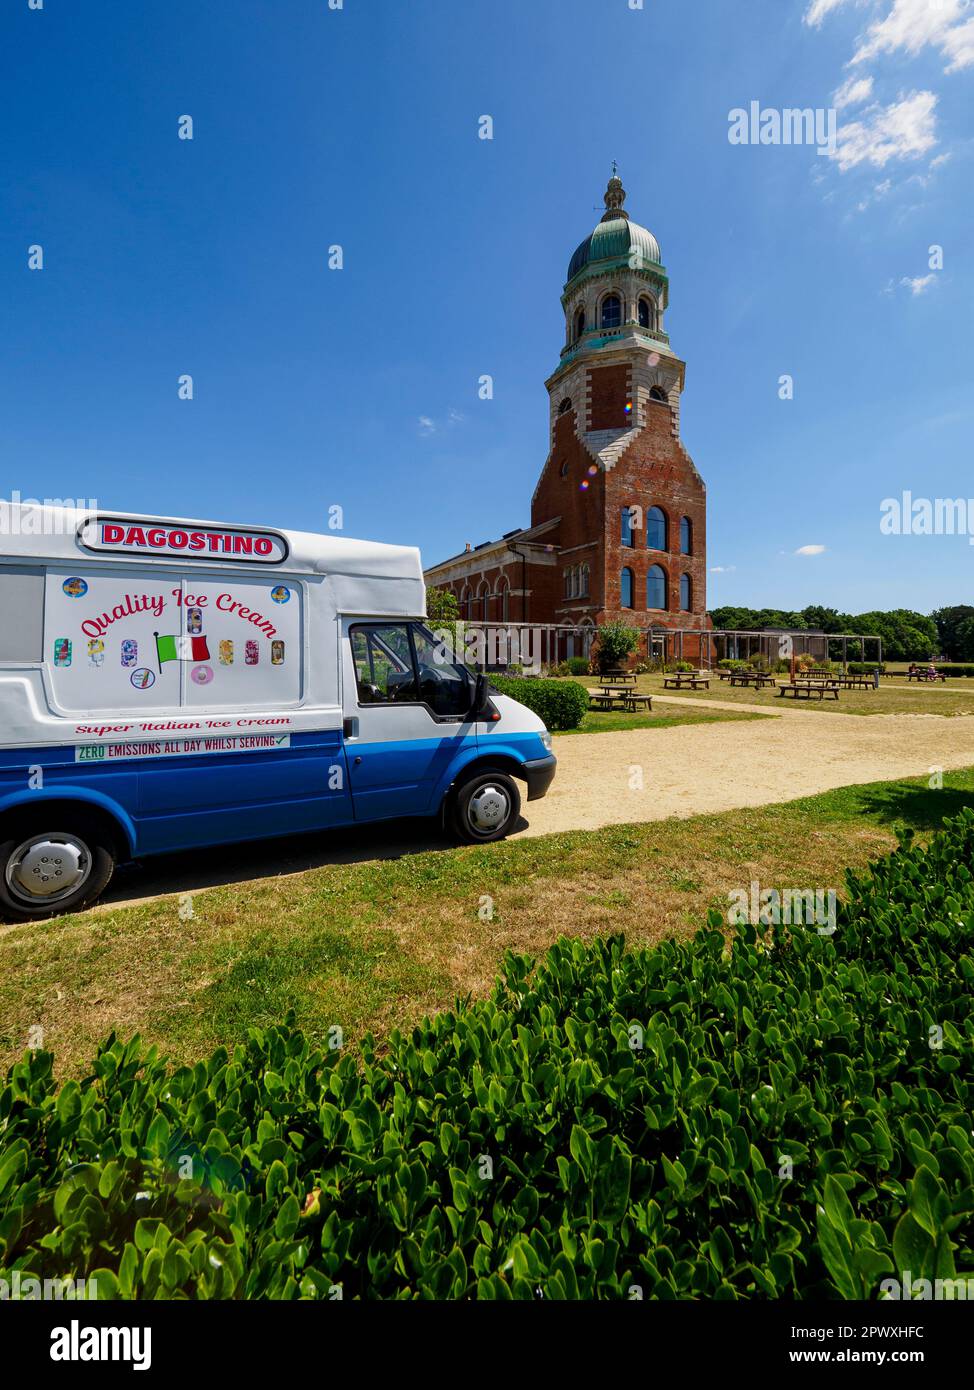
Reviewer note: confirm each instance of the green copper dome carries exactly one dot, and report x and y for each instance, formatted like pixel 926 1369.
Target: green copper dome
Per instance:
pixel 616 237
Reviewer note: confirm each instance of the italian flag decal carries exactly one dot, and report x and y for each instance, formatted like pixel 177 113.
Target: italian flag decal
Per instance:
pixel 181 649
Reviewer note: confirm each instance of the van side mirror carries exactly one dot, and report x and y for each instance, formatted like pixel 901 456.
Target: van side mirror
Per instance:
pixel 481 707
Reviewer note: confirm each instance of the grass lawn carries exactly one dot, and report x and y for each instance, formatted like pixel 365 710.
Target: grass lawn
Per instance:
pixel 378 944
pixel 599 721
pixel 893 697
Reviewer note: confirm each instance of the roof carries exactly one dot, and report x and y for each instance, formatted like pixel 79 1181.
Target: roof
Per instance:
pixel 613 242
pixel 29 532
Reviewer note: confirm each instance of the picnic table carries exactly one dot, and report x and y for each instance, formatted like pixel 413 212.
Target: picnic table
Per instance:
pixel 756 678
pixel 684 680
pixel 620 697
pixel 805 689
pixel 856 682
pixel 618 676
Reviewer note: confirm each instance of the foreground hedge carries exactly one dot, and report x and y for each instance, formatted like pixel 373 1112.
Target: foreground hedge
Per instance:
pixel 560 703
pixel 690 1121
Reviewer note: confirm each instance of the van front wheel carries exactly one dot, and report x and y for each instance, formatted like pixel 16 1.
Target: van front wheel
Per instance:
pixel 485 808
pixel 45 871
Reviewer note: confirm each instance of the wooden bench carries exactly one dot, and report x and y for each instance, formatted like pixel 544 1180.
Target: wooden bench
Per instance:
pixel 924 676
pixel 635 702
pixel 856 682
pixel 809 688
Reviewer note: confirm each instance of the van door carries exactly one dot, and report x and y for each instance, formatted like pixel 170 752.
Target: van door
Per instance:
pixel 406 716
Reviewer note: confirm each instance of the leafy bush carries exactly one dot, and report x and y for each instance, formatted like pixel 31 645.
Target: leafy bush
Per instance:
pixel 786 1117
pixel 948 669
pixel 865 668
pixel 731 664
pixel 561 704
pixel 615 644
pixel 577 665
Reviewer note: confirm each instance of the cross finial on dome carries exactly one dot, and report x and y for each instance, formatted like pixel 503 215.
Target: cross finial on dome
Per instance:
pixel 615 196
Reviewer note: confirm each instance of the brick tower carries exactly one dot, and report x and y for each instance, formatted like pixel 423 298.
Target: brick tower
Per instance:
pixel 619 516
pixel 632 507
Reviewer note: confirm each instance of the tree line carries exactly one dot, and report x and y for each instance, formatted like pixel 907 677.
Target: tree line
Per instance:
pixel 907 636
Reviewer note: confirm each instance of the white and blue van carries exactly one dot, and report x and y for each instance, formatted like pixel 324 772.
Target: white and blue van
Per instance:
pixel 170 684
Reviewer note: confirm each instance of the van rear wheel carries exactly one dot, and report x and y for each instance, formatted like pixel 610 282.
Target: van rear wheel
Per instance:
pixel 485 808
pixel 49 869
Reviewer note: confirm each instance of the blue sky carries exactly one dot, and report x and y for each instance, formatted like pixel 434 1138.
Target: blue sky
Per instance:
pixel 359 387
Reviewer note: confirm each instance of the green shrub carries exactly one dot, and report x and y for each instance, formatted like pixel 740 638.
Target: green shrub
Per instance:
pixel 786 1117
pixel 615 644
pixel 953 669
pixel 866 668
pixel 578 665
pixel 732 664
pixel 561 704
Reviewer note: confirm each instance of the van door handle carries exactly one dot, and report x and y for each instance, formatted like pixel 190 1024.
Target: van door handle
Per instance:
pixel 356 761
pixel 350 727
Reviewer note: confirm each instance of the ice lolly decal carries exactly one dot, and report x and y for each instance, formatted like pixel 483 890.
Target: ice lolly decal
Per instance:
pixel 251 653
pixel 226 652
pixel 62 651
pixel 130 652
pixel 96 652
pixel 277 653
pixel 194 620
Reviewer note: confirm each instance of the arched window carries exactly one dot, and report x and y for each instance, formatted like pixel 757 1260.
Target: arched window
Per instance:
pixel 565 406
pixel 611 311
pixel 686 536
pixel 655 530
pixel 564 469
pixel 465 603
pixel 483 601
pixel 627 536
pixel 647 315
pixel 583 581
pixel 658 394
pixel 626 588
pixel 686 593
pixel 504 594
pixel 656 587
pixel 579 324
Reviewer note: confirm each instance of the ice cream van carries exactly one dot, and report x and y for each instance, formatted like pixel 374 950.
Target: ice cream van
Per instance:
pixel 171 684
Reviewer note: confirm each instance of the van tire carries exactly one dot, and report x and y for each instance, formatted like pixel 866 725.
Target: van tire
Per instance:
pixel 80 846
pixel 484 808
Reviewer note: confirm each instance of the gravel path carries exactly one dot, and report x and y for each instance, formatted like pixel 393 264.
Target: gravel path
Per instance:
pixel 649 774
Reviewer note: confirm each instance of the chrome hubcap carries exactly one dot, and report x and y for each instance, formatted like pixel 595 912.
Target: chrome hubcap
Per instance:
pixel 46 868
pixel 489 808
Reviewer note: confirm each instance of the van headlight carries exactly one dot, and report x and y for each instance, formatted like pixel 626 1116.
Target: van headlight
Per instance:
pixel 546 740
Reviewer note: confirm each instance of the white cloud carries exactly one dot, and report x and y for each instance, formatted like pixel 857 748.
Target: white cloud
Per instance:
pixel 905 129
pixel 810 550
pixel 722 569
pixel 919 284
pixel 938 160
pixel 426 425
pixel 914 24
pixel 818 9
pixel 852 92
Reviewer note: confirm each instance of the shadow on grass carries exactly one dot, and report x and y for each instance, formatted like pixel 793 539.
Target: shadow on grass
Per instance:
pixel 191 870
pixel 921 808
